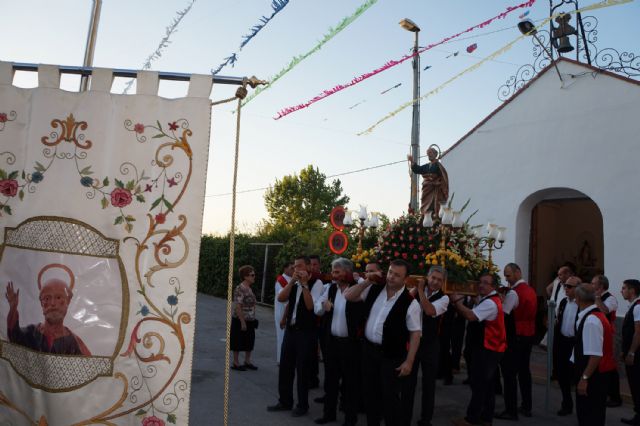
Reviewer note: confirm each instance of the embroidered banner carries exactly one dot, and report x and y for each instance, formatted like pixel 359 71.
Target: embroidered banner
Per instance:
pixel 101 200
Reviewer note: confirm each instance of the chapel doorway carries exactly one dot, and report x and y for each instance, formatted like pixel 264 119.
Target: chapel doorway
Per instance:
pixel 565 230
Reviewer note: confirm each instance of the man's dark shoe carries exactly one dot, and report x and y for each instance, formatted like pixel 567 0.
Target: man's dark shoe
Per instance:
pixel 564 412
pixel 634 421
pixel 278 407
pixel 320 399
pixel 614 403
pixel 299 412
pixel 505 415
pixel 324 420
pixel 524 412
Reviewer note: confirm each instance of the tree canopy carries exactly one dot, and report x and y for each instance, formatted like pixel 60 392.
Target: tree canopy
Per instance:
pixel 302 201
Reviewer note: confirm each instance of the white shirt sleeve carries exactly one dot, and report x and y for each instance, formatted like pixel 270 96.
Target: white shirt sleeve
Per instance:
pixel 592 336
pixel 317 290
pixel 636 313
pixel 414 316
pixel 486 310
pixel 317 305
pixel 441 305
pixel 365 292
pixel 611 303
pixel 510 302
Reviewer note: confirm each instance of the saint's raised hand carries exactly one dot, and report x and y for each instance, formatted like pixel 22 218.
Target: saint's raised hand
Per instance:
pixel 13 297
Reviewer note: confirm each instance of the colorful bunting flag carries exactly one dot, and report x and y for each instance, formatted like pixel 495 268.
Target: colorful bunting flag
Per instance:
pixel 392 63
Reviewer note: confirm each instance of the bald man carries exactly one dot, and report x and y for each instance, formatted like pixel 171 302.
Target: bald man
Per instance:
pixel 51 336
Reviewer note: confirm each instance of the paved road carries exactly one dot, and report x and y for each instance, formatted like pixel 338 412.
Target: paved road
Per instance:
pixel 252 391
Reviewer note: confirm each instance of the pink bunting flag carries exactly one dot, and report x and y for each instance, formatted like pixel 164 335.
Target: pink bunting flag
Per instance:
pixel 472 47
pixel 390 64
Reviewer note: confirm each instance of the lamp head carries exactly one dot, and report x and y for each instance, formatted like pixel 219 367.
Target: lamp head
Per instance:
pixel 409 25
pixel 527 27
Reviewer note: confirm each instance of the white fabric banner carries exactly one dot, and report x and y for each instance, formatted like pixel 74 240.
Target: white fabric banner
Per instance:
pixel 101 202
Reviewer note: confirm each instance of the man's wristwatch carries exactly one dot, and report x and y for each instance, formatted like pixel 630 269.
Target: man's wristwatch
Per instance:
pixel 585 377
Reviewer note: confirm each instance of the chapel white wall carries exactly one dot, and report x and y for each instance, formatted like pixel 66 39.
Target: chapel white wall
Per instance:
pixel 550 142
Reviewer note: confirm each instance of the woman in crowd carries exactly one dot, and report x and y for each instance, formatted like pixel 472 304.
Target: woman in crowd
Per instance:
pixel 243 322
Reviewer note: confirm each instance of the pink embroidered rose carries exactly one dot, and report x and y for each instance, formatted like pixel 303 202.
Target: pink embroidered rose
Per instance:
pixel 9 187
pixel 139 128
pixel 3 117
pixel 152 421
pixel 160 218
pixel 120 197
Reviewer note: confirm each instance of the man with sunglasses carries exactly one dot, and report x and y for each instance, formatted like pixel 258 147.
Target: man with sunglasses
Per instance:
pixel 563 343
pixel 488 341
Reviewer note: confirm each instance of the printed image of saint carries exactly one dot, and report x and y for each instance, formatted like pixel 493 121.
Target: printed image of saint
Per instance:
pixel 51 335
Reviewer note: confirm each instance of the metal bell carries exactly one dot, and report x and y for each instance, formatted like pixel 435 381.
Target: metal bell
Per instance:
pixel 564 45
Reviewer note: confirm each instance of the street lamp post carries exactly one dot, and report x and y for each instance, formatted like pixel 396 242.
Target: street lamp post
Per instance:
pixel 409 25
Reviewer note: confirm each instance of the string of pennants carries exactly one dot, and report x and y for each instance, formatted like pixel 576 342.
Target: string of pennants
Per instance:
pixel 278 5
pixel 495 54
pixel 392 63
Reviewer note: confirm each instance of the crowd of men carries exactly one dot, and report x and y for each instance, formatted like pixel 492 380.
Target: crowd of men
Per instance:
pixel 375 334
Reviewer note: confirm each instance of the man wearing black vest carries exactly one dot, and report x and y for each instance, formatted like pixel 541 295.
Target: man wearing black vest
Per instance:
pixel 434 304
pixel 608 304
pixel 341 323
pixel 564 338
pixel 392 336
pixel 300 337
pixel 488 341
pixel 592 359
pixel 508 363
pixel 631 343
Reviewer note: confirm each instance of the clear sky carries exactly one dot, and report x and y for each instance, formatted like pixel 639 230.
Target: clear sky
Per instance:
pixel 325 134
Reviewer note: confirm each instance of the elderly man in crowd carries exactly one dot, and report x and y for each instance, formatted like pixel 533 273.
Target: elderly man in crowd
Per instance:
pixel 592 357
pixel 342 321
pixel 564 341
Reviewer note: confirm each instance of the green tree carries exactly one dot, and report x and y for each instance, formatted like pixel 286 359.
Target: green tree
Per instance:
pixel 302 202
pixel 298 206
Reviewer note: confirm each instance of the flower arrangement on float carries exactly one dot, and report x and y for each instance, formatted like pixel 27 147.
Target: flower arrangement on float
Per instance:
pixel 444 239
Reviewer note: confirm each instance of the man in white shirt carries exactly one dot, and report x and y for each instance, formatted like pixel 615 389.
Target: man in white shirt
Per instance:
pixel 555 290
pixel 631 344
pixel 434 304
pixel 341 362
pixel 278 307
pixel 393 323
pixel 592 358
pixel 608 304
pixel 488 341
pixel 508 363
pixel 563 342
pixel 300 337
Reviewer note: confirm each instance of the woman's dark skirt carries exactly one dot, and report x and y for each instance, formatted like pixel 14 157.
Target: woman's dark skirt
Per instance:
pixel 242 340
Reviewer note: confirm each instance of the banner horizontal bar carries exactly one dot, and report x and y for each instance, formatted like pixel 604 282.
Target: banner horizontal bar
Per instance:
pixel 175 76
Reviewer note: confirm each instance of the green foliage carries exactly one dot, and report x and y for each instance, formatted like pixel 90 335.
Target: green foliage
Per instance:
pixel 214 264
pixel 302 201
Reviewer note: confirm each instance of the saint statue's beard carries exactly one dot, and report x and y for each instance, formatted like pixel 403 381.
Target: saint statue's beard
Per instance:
pixel 55 316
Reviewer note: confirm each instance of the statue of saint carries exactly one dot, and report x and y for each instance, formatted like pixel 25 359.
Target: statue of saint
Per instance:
pixel 435 182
